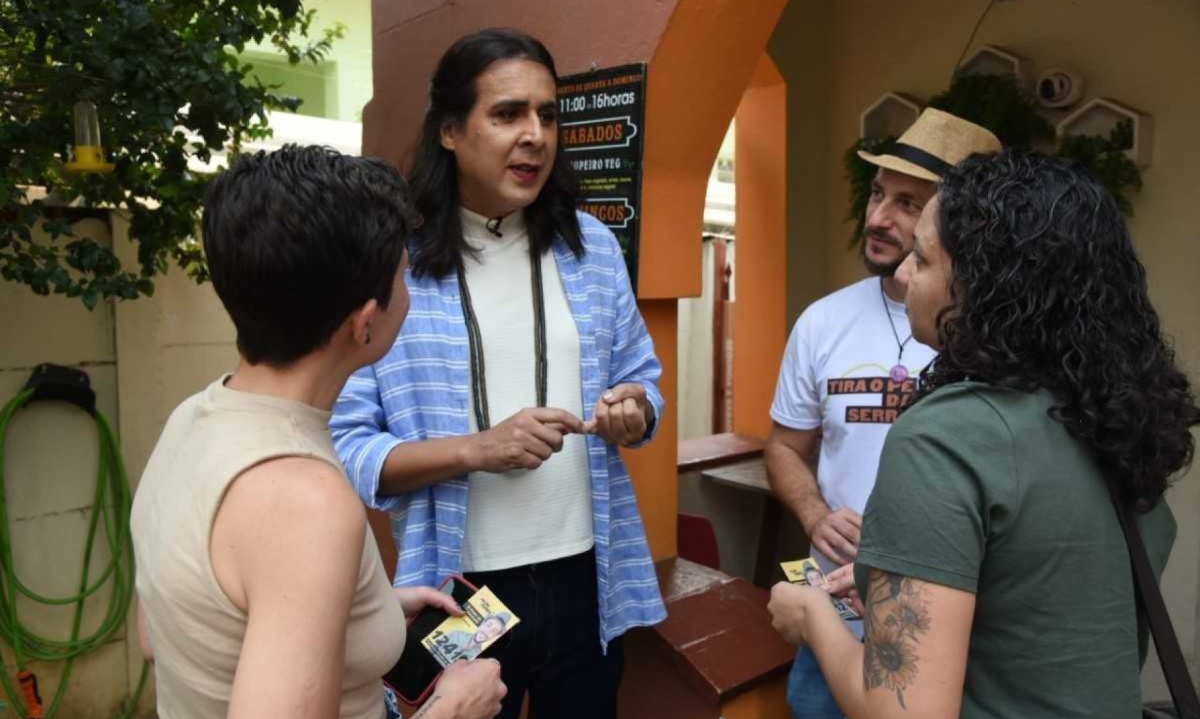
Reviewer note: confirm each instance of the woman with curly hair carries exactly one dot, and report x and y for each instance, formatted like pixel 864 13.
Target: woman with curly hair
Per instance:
pixel 995 574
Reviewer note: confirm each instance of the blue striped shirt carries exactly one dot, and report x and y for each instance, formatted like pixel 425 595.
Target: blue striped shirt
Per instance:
pixel 421 390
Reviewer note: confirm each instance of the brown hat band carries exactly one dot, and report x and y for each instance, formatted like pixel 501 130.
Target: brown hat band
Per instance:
pixel 919 157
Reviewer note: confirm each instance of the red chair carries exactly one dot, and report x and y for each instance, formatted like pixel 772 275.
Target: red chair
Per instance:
pixel 697 541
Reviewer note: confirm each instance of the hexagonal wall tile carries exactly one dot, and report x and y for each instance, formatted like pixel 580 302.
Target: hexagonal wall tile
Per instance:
pixel 890 115
pixel 1099 116
pixel 992 60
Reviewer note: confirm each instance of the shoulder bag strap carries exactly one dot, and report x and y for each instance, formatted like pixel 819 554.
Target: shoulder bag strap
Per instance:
pixel 1151 605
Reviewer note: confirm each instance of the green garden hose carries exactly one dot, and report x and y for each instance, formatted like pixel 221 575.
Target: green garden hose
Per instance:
pixel 111 503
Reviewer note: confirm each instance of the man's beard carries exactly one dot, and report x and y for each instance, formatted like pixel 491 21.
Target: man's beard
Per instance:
pixel 878 269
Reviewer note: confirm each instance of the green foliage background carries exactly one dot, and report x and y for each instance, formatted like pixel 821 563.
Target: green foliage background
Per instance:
pixel 998 103
pixel 1106 158
pixel 169 86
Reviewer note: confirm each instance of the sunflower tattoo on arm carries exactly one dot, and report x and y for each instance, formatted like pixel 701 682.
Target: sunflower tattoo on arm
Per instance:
pixel 897 617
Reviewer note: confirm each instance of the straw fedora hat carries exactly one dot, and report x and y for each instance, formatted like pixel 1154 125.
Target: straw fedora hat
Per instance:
pixel 936 142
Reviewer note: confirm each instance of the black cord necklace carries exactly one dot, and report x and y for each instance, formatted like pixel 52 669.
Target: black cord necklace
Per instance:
pixel 483 420
pixel 899 372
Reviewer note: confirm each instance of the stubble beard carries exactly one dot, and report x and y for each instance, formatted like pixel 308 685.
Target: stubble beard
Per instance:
pixel 878 269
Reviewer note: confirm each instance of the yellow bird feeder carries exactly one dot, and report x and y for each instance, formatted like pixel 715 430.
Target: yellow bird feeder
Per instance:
pixel 89 153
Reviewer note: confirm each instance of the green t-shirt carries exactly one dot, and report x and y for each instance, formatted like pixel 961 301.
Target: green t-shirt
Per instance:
pixel 980 490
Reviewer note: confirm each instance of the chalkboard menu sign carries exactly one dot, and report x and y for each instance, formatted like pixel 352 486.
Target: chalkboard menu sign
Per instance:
pixel 602 126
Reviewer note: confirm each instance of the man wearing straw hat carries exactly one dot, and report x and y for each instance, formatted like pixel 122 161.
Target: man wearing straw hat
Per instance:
pixel 850 365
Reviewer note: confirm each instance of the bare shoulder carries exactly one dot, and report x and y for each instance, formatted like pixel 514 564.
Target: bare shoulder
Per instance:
pixel 283 518
pixel 296 485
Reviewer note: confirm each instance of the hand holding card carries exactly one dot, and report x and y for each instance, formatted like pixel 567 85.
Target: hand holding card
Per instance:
pixel 473 688
pixel 807 571
pixel 484 620
pixel 421 667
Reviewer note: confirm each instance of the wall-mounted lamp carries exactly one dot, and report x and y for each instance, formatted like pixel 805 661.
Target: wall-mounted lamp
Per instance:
pixel 89 153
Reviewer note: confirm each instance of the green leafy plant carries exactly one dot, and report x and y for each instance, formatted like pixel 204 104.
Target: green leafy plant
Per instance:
pixel 998 103
pixel 860 174
pixel 1106 158
pixel 169 86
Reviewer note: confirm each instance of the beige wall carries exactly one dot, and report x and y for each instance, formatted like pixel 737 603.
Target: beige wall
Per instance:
pixel 50 460
pixel 169 347
pixel 838 57
pixel 800 48
pixel 143 358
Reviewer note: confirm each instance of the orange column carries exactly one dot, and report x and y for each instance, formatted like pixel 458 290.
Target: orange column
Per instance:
pixel 760 265
pixel 653 466
pixel 704 62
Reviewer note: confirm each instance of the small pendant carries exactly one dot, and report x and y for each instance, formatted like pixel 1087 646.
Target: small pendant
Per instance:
pixel 899 373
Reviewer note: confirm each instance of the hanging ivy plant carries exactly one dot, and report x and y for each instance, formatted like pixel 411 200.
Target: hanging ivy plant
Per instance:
pixel 999 103
pixel 1106 158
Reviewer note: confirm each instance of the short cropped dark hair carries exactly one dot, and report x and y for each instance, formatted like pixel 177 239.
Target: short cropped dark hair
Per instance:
pixel 299 238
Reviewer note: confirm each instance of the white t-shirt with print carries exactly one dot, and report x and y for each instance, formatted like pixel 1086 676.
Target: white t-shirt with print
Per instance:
pixel 836 376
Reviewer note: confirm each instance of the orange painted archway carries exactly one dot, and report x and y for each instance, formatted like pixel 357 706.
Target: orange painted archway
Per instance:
pixel 760 273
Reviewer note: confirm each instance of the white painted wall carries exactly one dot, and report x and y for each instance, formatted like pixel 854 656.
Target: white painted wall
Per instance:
pixel 696 356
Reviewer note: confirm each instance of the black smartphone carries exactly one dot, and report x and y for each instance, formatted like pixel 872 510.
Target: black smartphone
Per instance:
pixel 417 672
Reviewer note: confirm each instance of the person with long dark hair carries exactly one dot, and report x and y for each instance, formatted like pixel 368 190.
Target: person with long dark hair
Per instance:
pixel 491 428
pixel 995 573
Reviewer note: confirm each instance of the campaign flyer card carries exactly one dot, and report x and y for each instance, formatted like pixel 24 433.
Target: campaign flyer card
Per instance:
pixel 485 619
pixel 807 571
pixel 798 571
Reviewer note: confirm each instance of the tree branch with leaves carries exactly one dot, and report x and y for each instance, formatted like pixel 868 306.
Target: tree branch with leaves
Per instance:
pixel 169 85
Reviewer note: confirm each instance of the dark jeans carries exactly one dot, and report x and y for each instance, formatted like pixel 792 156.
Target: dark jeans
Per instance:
pixel 554 652
pixel 808 694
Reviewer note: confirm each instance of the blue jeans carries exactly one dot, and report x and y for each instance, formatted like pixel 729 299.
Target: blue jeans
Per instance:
pixel 808 695
pixel 391 704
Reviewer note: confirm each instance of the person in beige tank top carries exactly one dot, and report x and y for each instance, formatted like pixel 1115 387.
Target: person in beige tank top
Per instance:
pixel 261 589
